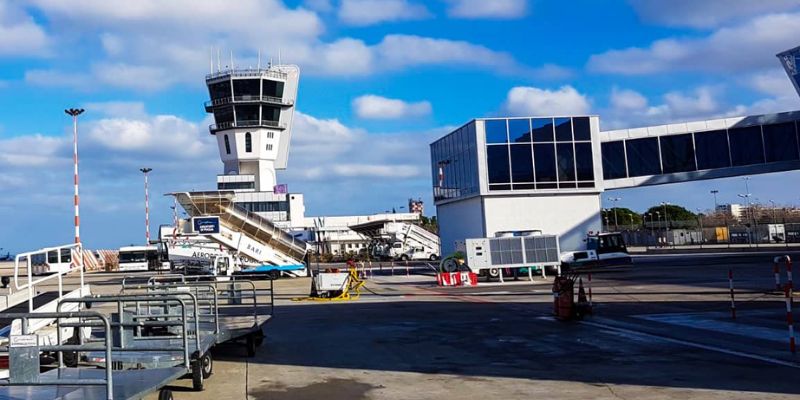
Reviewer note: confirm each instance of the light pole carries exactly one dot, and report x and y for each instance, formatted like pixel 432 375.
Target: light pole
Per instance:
pixel 773 212
pixel 702 232
pixel 666 216
pixel 146 171
pixel 748 211
pixel 615 200
pixel 714 192
pixel 74 113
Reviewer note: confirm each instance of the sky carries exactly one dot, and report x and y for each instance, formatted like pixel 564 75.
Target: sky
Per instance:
pixel 380 80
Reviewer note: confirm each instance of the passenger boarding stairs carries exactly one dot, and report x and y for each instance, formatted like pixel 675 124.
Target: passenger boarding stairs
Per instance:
pixel 247 233
pixel 40 294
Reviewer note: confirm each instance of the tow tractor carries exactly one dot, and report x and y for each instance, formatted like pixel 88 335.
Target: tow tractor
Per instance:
pixel 602 250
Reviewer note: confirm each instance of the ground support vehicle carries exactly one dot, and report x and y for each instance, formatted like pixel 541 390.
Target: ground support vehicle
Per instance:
pixel 602 250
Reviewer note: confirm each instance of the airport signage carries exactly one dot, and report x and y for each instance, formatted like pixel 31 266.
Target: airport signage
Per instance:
pixel 205 225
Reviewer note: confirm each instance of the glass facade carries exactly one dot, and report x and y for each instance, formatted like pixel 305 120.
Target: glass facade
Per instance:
pixel 698 151
pixel 539 153
pixel 454 164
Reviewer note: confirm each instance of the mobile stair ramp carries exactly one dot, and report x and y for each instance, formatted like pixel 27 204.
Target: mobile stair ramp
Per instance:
pixel 274 250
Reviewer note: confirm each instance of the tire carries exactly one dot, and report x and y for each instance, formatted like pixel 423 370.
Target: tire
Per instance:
pixel 433 257
pixel 207 364
pixel 404 258
pixel 165 394
pixel 274 274
pixel 197 375
pixel 259 338
pixel 493 272
pixel 251 345
pixel 449 265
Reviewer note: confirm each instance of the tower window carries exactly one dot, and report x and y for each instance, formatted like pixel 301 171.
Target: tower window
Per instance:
pixel 227 145
pixel 248 142
pixel 270 135
pixel 269 147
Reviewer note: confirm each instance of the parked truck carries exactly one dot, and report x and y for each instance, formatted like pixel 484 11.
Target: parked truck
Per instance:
pixel 402 241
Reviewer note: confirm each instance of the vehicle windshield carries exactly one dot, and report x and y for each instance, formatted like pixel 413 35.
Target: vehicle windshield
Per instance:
pixel 132 256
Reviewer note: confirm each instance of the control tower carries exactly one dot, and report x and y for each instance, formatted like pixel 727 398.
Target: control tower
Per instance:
pixel 253 111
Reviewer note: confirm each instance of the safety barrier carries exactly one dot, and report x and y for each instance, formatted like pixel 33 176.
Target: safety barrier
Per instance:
pixel 457 279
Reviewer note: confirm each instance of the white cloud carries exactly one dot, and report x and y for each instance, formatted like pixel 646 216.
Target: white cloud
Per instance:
pixel 525 100
pixel 376 107
pixel 625 99
pixel 706 13
pixel 370 12
pixel 323 6
pixel 506 9
pixel 33 151
pixel 747 46
pixel 20 35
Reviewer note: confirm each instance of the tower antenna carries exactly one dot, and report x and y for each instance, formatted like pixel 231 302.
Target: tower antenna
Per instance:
pixel 259 59
pixel 232 60
pixel 279 56
pixel 211 60
pixel 218 66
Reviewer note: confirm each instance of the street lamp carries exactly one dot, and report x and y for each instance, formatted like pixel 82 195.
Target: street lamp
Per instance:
pixel 666 216
pixel 714 192
pixel 146 205
pixel 615 200
pixel 74 113
pixel 773 212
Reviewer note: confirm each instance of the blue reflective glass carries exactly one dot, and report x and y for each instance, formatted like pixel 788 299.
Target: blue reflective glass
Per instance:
pixel 563 129
pixel 542 129
pixel 780 142
pixel 581 128
pixel 496 131
pixel 519 130
pixel 583 162
pixel 677 153
pixel 613 159
pixel 544 156
pixel 746 145
pixel 521 163
pixel 497 164
pixel 711 149
pixel 565 161
pixel 643 157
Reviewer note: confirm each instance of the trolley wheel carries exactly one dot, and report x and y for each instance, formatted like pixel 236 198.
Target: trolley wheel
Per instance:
pixel 494 272
pixel 433 257
pixel 165 394
pixel 197 375
pixel 208 365
pixel 259 338
pixel 251 345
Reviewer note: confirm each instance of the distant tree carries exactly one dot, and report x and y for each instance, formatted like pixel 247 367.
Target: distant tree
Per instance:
pixel 430 224
pixel 625 216
pixel 674 213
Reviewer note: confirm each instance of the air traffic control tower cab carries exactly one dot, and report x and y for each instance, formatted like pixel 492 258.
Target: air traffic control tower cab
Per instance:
pixel 253 111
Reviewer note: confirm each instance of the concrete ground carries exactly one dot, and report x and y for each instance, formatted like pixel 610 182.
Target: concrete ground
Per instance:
pixel 661 329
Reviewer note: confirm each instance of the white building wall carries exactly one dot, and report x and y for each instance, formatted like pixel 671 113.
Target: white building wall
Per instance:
pixel 459 220
pixel 571 216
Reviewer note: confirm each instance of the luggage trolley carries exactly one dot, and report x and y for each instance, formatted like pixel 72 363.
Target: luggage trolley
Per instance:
pixel 151 323
pixel 27 382
pixel 240 317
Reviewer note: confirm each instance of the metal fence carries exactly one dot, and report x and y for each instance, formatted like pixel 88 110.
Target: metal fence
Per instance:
pixel 692 233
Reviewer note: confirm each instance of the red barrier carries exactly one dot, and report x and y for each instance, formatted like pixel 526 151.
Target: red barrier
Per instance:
pixel 776 269
pixel 788 294
pixel 457 279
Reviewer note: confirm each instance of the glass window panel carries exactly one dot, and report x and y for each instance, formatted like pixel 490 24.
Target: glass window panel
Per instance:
pixel 746 145
pixel 224 114
pixel 613 159
pixel 544 156
pixel 246 88
pixel 780 142
pixel 643 157
pixel 542 129
pixel 567 185
pixel 272 88
pixel 497 164
pixel 581 128
pixel 711 149
pixel 521 163
pixel 546 186
pixel 524 186
pixel 496 131
pixel 270 113
pixel 563 129
pixel 677 153
pixel 519 130
pixel 583 161
pixel 246 113
pixel 500 187
pixel 566 162
pixel 220 90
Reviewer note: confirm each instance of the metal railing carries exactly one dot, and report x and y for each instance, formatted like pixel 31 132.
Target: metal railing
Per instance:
pixel 249 72
pixel 248 99
pixel 76 261
pixel 246 124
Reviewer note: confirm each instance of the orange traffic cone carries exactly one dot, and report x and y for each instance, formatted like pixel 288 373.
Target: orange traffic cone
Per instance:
pixel 582 307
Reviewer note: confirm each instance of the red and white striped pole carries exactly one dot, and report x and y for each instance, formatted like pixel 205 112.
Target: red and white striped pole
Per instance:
pixel 733 302
pixel 788 293
pixel 776 271
pixel 789 272
pixel 74 113
pixel 146 206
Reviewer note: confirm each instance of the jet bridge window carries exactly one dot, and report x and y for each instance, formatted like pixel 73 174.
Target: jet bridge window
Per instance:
pixel 780 142
pixel 712 150
pixel 677 153
pixel 643 157
pixel 613 159
pixel 746 145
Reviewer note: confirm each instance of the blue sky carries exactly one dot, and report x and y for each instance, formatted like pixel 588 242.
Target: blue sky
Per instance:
pixel 138 68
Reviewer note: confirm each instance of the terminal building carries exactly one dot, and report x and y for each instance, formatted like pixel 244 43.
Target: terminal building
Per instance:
pixel 496 175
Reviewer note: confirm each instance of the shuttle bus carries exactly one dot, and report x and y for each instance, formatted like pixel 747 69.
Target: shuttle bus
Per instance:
pixel 50 261
pixel 139 258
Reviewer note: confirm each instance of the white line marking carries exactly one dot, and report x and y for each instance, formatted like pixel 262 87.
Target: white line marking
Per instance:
pixel 695 345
